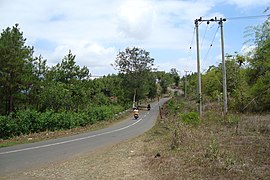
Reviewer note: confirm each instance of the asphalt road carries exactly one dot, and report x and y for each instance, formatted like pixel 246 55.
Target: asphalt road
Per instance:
pixel 28 156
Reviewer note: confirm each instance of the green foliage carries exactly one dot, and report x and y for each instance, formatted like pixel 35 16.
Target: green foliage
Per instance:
pixel 8 127
pixel 231 119
pixel 174 106
pixel 259 67
pixel 261 93
pixel 35 97
pixel 175 77
pixel 212 83
pixel 16 68
pixel 191 118
pixel 134 66
pixel 192 84
pixel 31 121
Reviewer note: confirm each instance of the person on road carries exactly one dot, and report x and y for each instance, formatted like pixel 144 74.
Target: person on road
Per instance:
pixel 136 111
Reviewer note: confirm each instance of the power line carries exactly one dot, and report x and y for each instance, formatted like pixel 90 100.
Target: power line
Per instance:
pixel 193 37
pixel 211 45
pixel 204 35
pixel 248 17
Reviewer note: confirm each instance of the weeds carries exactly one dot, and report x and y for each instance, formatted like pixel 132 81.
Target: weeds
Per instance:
pixel 230 162
pixel 213 151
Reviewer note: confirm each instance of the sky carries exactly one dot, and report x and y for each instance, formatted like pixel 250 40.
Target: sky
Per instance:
pixel 96 30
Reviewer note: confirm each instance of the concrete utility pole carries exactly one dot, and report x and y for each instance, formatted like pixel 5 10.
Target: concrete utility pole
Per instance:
pixel 186 84
pixel 220 21
pixel 134 99
pixel 224 79
pixel 198 68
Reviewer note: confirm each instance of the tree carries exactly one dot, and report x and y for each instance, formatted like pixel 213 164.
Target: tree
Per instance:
pixel 40 70
pixel 134 66
pixel 70 91
pixel 16 67
pixel 68 72
pixel 259 66
pixel 212 82
pixel 175 76
pixel 133 60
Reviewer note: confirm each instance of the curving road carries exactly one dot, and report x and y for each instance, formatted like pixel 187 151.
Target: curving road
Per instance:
pixel 27 156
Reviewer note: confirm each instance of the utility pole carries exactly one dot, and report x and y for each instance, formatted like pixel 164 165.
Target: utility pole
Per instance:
pixel 186 84
pixel 224 79
pixel 198 68
pixel 220 21
pixel 134 99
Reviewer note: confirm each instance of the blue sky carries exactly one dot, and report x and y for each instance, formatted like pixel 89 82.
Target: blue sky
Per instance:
pixel 96 30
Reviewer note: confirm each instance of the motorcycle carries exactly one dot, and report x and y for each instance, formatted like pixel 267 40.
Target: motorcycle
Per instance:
pixel 136 116
pixel 148 107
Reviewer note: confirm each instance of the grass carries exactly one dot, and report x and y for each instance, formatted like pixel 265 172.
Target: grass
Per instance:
pixel 234 147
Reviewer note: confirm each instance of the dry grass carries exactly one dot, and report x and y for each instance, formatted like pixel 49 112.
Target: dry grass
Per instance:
pixel 237 147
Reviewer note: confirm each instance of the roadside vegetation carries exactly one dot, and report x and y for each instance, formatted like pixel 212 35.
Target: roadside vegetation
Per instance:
pixel 184 146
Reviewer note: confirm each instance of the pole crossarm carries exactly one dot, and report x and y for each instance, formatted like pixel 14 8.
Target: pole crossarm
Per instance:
pixel 210 20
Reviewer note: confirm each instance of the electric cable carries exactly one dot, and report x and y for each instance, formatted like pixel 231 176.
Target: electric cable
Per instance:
pixel 204 35
pixel 193 37
pixel 248 17
pixel 211 45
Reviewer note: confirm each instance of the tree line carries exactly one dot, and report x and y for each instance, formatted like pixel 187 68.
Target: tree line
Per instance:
pixel 35 97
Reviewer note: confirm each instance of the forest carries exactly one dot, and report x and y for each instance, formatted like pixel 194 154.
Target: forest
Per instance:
pixel 35 97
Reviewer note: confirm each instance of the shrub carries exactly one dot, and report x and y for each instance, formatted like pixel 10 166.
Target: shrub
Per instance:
pixel 8 127
pixel 191 118
pixel 31 121
pixel 28 121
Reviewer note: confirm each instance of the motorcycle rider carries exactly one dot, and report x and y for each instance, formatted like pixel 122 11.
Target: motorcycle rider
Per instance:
pixel 136 112
pixel 148 107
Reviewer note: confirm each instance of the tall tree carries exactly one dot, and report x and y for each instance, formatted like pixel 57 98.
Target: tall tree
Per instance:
pixel 134 65
pixel 175 76
pixel 40 70
pixel 70 93
pixel 67 71
pixel 16 67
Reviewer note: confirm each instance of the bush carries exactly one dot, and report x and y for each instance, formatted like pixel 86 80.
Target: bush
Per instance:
pixel 191 118
pixel 103 112
pixel 31 121
pixel 28 121
pixel 8 127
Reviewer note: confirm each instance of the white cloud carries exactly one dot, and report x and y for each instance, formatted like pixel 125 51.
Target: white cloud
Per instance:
pixel 135 18
pixel 95 30
pixel 96 57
